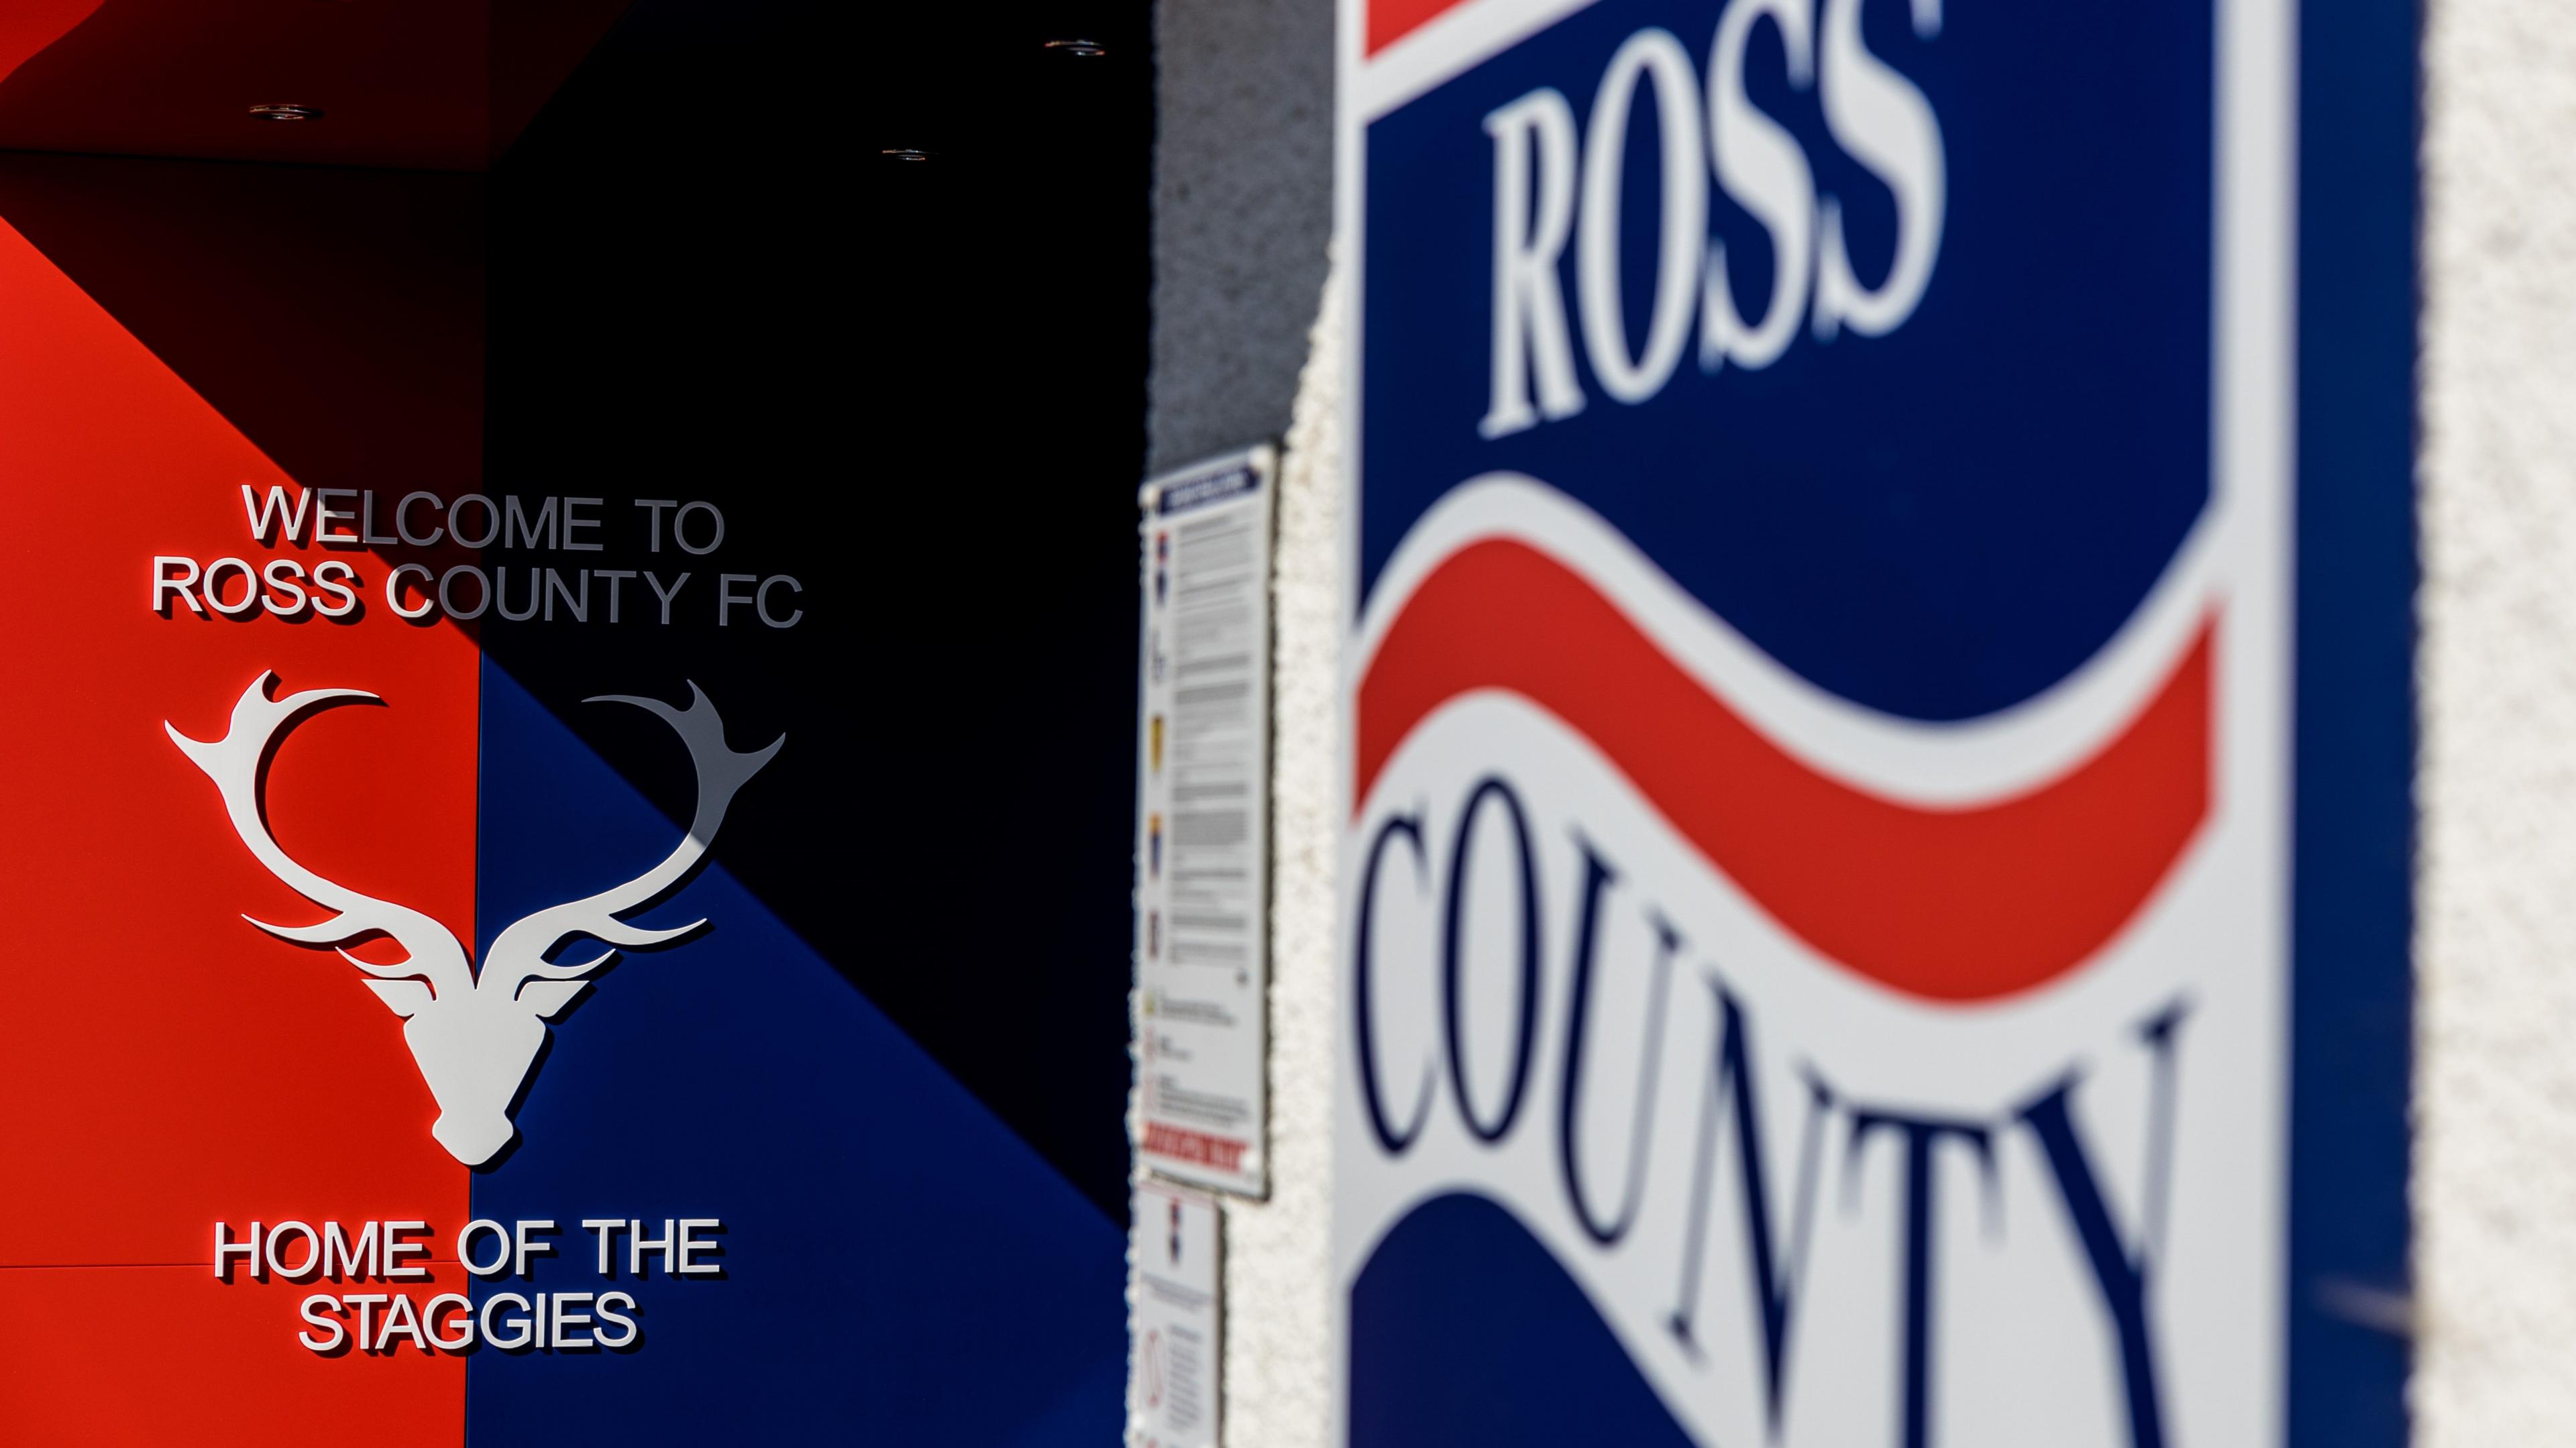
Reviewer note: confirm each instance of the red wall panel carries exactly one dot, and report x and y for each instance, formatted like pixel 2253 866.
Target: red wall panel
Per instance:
pixel 164 1065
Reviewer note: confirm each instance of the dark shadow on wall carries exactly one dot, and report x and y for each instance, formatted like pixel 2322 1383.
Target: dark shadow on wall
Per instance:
pixel 335 316
pixel 917 388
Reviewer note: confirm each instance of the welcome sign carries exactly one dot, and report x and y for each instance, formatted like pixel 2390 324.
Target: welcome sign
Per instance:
pixel 1841 922
pixel 452 983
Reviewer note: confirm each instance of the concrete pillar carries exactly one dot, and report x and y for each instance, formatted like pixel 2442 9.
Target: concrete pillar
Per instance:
pixel 2495 1183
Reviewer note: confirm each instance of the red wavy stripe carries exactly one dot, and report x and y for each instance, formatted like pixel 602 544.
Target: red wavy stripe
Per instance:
pixel 1964 904
pixel 1391 20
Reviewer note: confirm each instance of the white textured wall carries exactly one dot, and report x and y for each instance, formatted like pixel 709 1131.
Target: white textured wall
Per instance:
pixel 2495 1189
pixel 1243 208
pixel 1276 1388
pixel 1278 1265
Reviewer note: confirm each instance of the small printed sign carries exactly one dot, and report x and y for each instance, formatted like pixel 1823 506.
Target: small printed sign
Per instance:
pixel 1202 822
pixel 1173 1252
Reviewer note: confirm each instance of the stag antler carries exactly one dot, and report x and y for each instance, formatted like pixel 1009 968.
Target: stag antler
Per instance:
pixel 518 954
pixel 235 763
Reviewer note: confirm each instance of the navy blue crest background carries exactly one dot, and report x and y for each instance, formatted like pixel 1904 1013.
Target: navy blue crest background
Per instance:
pixel 1943 522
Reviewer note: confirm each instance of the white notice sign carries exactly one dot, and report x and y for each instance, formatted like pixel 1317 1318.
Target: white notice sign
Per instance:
pixel 1202 822
pixel 1172 1252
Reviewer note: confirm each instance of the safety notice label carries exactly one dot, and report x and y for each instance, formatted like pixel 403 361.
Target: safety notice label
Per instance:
pixel 1202 886
pixel 1173 1253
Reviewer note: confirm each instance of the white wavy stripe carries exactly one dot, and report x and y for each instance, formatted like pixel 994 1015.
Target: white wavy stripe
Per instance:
pixel 2025 1354
pixel 1967 762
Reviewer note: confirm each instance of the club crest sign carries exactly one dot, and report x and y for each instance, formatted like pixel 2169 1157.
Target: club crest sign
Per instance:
pixel 1820 953
pixel 475 1031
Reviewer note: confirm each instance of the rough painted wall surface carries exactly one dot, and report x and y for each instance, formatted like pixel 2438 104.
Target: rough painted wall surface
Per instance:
pixel 2495 1188
pixel 1243 206
pixel 1277 1385
pixel 1278 1264
pixel 1243 209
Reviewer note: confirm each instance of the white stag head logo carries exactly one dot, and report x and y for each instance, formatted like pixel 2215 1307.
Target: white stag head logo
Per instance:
pixel 474 1032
